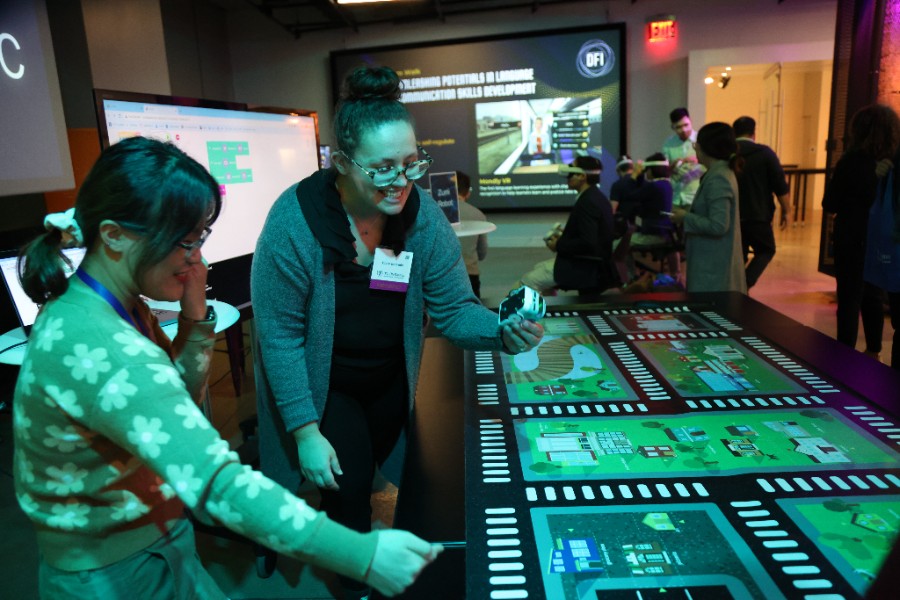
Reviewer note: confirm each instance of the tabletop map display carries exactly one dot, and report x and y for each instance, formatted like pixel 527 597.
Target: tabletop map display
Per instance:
pixel 671 453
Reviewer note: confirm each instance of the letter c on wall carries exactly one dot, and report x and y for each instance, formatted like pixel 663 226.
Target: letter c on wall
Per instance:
pixel 18 73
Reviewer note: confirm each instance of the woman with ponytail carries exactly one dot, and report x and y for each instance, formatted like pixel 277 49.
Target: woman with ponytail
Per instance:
pixel 349 261
pixel 712 224
pixel 111 447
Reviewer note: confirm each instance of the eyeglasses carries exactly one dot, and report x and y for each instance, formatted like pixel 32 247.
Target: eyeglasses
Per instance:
pixel 189 247
pixel 385 176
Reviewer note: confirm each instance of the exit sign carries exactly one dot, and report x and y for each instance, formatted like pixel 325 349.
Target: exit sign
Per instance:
pixel 661 30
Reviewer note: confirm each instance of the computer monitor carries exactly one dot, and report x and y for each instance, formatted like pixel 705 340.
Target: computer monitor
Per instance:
pixel 255 153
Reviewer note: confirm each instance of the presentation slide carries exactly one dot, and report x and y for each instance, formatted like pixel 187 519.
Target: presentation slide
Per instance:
pixel 509 110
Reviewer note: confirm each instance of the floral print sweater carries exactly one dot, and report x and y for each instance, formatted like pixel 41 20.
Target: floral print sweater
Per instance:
pixel 111 446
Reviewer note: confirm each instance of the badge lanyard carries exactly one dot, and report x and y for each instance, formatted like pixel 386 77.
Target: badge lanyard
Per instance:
pixel 111 300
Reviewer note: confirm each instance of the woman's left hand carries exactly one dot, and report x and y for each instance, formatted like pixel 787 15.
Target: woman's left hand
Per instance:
pixel 678 215
pixel 193 301
pixel 520 335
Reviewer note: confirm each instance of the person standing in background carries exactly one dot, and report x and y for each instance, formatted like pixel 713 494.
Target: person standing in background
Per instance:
pixel 679 151
pixel 712 223
pixel 760 179
pixel 474 247
pixel 874 138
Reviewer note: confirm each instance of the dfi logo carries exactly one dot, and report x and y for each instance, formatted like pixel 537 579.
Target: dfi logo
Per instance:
pixel 4 38
pixel 595 59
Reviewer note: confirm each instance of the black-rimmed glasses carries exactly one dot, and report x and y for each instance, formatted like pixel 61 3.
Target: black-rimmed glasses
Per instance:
pixel 385 176
pixel 189 247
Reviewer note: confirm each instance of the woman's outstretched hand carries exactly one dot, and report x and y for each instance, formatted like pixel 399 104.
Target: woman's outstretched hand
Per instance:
pixel 399 558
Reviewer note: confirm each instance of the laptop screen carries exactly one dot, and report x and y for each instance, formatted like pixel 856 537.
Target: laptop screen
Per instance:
pixel 25 308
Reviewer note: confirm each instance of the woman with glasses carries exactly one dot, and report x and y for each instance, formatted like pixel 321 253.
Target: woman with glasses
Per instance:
pixel 110 445
pixel 349 261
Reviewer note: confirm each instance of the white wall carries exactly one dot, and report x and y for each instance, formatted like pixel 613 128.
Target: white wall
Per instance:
pixel 126 45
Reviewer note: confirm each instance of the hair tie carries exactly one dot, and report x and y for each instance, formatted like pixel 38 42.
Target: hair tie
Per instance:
pixel 67 225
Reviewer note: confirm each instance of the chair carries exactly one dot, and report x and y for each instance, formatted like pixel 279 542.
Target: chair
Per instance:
pixel 662 257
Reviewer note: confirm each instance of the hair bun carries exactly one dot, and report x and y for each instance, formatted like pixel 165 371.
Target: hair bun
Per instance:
pixel 371 83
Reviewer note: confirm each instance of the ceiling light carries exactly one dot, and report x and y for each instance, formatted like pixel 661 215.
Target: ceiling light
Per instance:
pixel 708 80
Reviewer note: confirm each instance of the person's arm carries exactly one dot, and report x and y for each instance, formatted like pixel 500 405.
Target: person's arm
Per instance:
pixel 154 419
pixel 784 201
pixel 720 200
pixel 581 237
pixel 279 288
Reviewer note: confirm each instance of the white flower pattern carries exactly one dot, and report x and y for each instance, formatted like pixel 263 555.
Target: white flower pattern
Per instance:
pixel 182 480
pixel 25 467
pixel 115 394
pixel 296 511
pixel 87 364
pixel 69 516
pixel 222 511
pixel 26 378
pixel 66 400
pixel 66 480
pixel 254 480
pixel 67 439
pixel 134 344
pixel 193 418
pixel 21 422
pixel 51 331
pixel 27 503
pixel 166 374
pixel 203 360
pixel 148 436
pixel 221 452
pixel 128 508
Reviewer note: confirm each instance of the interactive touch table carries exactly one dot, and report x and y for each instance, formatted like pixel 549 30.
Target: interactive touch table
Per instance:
pixel 696 447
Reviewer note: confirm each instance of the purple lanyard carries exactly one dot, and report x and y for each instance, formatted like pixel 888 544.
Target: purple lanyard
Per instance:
pixel 112 300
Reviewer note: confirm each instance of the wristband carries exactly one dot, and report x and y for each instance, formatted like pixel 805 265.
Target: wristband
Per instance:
pixel 210 316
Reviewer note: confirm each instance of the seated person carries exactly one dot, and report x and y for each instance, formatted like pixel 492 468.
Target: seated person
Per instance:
pixel 583 248
pixel 646 205
pixel 625 184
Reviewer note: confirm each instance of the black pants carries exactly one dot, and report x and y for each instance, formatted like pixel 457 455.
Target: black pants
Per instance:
pixel 759 236
pixel 475 280
pixel 363 419
pixel 855 297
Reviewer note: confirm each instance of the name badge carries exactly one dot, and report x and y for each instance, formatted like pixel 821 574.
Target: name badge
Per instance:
pixel 391 272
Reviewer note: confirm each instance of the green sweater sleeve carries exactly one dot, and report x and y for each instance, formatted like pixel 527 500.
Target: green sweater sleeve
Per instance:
pixel 117 386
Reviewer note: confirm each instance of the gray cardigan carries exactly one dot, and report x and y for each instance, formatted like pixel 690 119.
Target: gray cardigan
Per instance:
pixel 293 306
pixel 715 260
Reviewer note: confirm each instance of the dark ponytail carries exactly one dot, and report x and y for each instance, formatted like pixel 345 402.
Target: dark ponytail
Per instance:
pixel 40 267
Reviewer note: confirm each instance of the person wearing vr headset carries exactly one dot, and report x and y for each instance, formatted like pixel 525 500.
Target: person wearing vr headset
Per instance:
pixel 583 248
